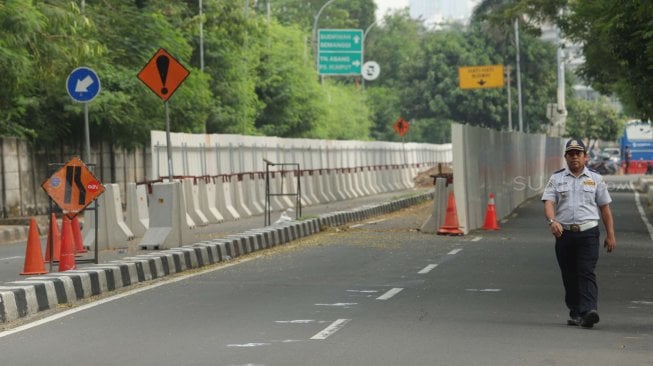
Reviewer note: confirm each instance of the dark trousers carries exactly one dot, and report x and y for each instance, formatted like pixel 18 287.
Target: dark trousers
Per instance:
pixel 577 254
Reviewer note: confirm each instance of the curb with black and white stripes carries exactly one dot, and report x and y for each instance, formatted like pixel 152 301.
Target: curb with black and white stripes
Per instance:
pixel 27 297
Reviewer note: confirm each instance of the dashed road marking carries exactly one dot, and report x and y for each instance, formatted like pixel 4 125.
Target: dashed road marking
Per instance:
pixel 10 258
pixel 339 304
pixel 455 251
pixel 483 290
pixel 390 293
pixel 328 331
pixel 427 269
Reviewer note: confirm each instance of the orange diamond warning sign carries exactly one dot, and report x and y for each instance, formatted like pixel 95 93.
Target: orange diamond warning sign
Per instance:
pixel 401 127
pixel 73 187
pixel 163 74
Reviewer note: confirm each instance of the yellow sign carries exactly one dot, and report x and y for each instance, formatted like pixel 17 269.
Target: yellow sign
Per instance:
pixel 478 77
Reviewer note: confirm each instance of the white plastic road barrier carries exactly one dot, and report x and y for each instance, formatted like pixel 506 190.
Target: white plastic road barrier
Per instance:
pixel 137 217
pixel 192 203
pixel 185 215
pixel 250 184
pixel 360 182
pixel 207 202
pixel 436 219
pixel 349 183
pixel 168 225
pixel 290 187
pixel 223 198
pixel 320 191
pixel 260 188
pixel 327 187
pixel 374 179
pixel 335 186
pixel 238 197
pixel 282 188
pixel 307 193
pixel 112 230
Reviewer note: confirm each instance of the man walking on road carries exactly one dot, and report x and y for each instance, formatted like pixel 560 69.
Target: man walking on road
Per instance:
pixel 574 200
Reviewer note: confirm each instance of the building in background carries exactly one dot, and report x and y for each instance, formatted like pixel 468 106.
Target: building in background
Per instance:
pixel 435 12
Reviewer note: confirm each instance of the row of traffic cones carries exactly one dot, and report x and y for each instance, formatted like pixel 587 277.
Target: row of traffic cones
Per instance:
pixel 64 247
pixel 451 226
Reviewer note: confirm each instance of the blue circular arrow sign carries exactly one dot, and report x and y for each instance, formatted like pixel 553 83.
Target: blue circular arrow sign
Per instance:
pixel 83 84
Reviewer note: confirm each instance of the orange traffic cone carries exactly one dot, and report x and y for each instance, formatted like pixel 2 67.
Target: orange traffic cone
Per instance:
pixel 491 222
pixel 54 239
pixel 77 237
pixel 33 255
pixel 67 261
pixel 450 226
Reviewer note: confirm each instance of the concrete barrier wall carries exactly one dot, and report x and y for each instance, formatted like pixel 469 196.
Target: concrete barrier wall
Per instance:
pixel 211 155
pixel 513 166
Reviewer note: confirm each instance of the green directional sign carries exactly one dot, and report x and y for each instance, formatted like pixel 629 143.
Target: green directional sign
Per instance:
pixel 340 51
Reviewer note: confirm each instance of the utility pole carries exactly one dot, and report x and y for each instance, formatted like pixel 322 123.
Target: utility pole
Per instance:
pixel 509 82
pixel 519 100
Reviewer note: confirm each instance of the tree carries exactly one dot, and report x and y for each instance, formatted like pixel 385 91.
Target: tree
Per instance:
pixel 618 48
pixel 286 85
pixel 595 120
pixel 340 14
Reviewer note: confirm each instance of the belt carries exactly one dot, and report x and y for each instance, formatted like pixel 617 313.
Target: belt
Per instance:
pixel 581 227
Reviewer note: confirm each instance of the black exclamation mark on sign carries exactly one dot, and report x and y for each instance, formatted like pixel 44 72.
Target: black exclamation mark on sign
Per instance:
pixel 162 63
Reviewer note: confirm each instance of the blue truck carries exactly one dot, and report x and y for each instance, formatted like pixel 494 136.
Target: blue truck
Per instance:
pixel 638 136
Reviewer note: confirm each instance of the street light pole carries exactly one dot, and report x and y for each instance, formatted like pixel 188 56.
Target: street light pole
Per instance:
pixel 519 100
pixel 201 38
pixel 314 40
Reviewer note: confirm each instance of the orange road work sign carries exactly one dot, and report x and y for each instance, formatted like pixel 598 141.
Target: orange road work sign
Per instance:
pixel 73 187
pixel 401 127
pixel 163 74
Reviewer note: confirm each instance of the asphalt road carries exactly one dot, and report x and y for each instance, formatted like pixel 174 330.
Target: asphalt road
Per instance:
pixel 381 293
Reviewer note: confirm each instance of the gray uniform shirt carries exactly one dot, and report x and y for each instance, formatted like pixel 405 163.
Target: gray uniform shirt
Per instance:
pixel 577 199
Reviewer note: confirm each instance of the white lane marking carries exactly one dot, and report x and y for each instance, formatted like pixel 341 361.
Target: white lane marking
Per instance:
pixel 483 290
pixel 342 304
pixel 334 327
pixel 298 321
pixel 376 222
pixel 642 213
pixel 477 238
pixel 455 251
pixel 93 304
pixel 642 302
pixel 364 291
pixel 427 269
pixel 390 293
pixel 10 258
pixel 248 345
pixel 356 225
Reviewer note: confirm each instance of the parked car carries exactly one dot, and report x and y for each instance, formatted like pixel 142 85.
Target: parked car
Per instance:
pixel 614 153
pixel 604 164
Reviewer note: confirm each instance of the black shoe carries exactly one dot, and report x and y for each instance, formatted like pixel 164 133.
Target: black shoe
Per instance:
pixel 589 319
pixel 574 321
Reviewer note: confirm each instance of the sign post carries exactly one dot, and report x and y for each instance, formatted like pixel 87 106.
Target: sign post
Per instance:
pixel 83 85
pixel 340 52
pixel 163 74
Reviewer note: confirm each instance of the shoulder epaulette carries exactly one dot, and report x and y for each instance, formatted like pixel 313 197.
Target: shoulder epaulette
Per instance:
pixel 559 171
pixel 593 171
